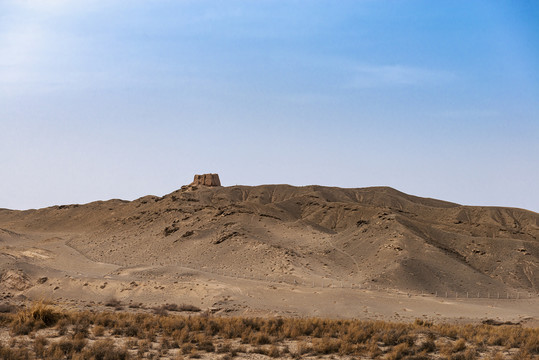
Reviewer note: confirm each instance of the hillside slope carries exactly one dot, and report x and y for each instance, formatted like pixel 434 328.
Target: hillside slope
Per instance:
pixel 361 236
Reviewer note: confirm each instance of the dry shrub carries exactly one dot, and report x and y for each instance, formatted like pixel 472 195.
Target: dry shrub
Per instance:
pixel 187 307
pixel 143 346
pixel 172 326
pixel 450 331
pixel 260 339
pixel 132 330
pixel 66 348
pixel 422 323
pixel 274 352
pixel 38 316
pixel 459 345
pixel 196 334
pixel 326 345
pixel 105 350
pixel 303 348
pixel 427 346
pixel 164 344
pixel 359 333
pixel 394 334
pixel 81 323
pixel 373 350
pixel 115 303
pixel 523 354
pixel 400 351
pixel 182 336
pixel 62 326
pixel 171 307
pixel 14 353
pixel 532 344
pixel 186 348
pixel 160 311
pixel 40 345
pixel 98 330
pixel 206 346
pixel 469 354
pixel 495 339
pixel 223 348
pixel 347 348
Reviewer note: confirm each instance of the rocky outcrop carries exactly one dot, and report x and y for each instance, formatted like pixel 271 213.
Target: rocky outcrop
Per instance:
pixel 14 280
pixel 207 180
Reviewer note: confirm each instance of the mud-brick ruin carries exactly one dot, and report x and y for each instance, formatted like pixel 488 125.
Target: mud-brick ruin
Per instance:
pixel 207 180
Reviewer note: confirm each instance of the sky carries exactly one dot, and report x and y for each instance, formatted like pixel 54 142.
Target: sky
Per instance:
pixel 121 99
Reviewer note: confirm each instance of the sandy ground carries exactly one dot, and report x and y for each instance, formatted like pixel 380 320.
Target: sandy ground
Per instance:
pixel 52 270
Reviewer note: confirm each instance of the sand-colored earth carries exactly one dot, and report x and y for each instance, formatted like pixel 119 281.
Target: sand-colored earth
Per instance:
pixel 372 253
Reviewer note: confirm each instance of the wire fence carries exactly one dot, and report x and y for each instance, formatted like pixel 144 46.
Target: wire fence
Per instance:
pixel 328 283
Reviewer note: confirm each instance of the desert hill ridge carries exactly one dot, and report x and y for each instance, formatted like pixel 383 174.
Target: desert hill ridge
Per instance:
pixel 375 235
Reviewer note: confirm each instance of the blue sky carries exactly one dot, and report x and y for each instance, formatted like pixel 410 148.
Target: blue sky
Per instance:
pixel 120 99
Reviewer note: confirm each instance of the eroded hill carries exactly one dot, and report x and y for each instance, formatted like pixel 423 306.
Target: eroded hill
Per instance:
pixel 299 234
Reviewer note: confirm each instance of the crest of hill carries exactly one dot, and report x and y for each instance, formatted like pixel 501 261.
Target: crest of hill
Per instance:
pixel 288 197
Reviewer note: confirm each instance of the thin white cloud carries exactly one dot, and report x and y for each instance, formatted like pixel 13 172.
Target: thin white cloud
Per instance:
pixel 370 76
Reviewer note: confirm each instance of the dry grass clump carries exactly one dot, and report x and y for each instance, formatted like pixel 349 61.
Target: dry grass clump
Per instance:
pixel 400 351
pixel 105 350
pixel 80 335
pixel 184 307
pixel 164 309
pixel 38 316
pixel 66 348
pixel 115 303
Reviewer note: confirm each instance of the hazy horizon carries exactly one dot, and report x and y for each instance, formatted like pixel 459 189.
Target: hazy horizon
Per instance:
pixel 102 100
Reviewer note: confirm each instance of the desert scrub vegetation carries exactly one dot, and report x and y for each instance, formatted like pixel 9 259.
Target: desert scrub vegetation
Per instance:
pixel 41 331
